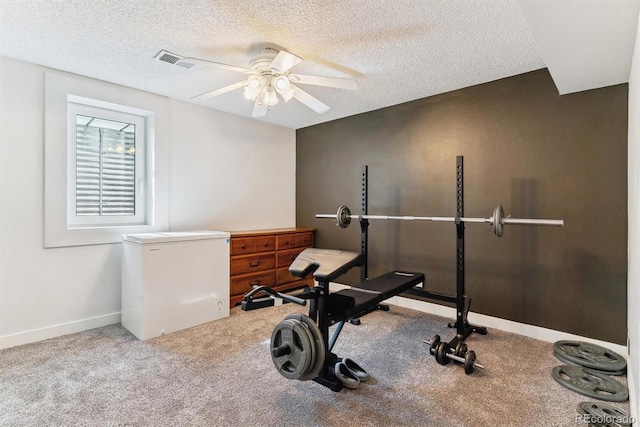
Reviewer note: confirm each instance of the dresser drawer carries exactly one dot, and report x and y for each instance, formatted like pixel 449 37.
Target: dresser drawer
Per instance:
pixel 285 258
pixel 285 242
pixel 255 262
pixel 265 244
pixel 240 285
pixel 249 245
pixel 303 240
pixel 242 246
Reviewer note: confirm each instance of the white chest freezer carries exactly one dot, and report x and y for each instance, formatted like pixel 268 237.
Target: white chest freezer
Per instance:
pixel 173 281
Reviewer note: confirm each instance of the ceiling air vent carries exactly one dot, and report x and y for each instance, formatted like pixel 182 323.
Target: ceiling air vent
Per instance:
pixel 172 58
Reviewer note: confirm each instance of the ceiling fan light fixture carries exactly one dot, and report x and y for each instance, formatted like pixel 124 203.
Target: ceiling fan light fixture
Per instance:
pixel 250 94
pixel 288 94
pixel 256 83
pixel 283 87
pixel 281 84
pixel 270 97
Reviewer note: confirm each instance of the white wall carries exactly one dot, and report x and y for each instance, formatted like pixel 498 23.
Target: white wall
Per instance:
pixel 634 230
pixel 226 172
pixel 230 174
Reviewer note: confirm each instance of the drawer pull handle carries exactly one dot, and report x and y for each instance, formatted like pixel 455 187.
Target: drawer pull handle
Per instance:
pixel 254 264
pixel 243 246
pixel 304 240
pixel 286 242
pixel 266 244
pixel 255 282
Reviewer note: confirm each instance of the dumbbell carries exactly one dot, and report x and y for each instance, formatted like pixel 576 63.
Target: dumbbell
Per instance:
pixel 443 354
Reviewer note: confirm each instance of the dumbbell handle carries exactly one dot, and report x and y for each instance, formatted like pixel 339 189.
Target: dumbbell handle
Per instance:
pixel 461 360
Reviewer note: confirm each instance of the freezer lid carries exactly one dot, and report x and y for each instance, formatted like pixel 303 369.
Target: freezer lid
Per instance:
pixel 174 236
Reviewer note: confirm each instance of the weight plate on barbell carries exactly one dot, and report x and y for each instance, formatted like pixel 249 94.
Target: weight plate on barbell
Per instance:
pixel 590 383
pixel 433 344
pixel 469 362
pixel 461 349
pixel 589 355
pixel 343 216
pixel 294 337
pixel 441 353
pixel 498 214
pixel 318 348
pixel 601 414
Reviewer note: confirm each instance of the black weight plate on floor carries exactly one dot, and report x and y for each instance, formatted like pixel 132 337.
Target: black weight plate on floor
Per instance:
pixel 590 383
pixel 318 349
pixel 601 414
pixel 297 360
pixel 589 355
pixel 569 362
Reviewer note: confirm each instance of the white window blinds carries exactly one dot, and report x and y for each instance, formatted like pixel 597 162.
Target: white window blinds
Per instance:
pixel 105 167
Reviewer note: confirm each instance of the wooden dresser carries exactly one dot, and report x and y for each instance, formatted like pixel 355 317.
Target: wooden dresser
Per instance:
pixel 263 257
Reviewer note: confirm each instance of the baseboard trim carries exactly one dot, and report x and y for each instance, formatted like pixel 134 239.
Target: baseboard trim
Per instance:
pixel 40 334
pixel 531 331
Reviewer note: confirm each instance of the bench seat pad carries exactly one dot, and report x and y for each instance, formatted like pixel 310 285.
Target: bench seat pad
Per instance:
pixel 359 300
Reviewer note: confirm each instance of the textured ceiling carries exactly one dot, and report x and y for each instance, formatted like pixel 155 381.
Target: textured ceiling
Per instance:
pixel 397 50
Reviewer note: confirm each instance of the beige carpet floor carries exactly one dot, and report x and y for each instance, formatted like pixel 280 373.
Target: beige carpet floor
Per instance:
pixel 221 374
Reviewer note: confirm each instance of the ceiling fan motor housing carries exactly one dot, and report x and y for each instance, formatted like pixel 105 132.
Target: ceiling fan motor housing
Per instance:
pixel 261 61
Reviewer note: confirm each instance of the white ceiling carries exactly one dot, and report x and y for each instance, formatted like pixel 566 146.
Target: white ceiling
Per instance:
pixel 398 50
pixel 586 44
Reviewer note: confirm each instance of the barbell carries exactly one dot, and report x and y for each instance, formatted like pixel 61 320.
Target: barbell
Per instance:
pixel 344 216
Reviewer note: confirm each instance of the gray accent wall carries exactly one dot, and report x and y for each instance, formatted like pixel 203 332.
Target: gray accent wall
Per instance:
pixel 538 154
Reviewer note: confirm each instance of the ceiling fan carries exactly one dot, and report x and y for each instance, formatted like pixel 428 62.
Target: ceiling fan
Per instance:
pixel 269 76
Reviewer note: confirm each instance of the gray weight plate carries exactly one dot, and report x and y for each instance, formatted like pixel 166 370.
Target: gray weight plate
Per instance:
pixel 314 353
pixel 296 361
pixel 570 362
pixel 589 355
pixel 601 414
pixel 590 383
pixel 319 350
pixel 498 214
pixel 343 216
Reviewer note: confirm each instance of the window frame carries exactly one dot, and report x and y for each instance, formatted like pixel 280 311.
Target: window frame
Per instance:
pixel 77 106
pixel 59 88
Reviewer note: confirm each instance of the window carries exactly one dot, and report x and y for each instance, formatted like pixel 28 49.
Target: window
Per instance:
pixel 88 189
pixel 106 167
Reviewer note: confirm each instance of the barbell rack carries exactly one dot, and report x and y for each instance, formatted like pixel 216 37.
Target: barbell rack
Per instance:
pixel 463 328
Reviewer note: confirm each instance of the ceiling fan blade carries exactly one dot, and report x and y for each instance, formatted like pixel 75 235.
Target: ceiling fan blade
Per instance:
pixel 259 108
pixel 215 64
pixel 336 82
pixel 310 101
pixel 220 91
pixel 284 61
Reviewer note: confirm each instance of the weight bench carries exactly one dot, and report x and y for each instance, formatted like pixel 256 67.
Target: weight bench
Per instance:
pixel 328 308
pixel 366 297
